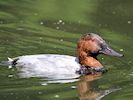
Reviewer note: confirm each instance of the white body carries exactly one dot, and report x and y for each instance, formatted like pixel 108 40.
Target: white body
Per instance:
pixel 48 65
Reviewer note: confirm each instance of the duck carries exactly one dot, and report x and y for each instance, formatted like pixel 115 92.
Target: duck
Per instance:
pixel 89 46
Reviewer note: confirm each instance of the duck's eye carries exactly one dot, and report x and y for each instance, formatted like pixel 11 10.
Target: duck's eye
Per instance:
pixel 103 46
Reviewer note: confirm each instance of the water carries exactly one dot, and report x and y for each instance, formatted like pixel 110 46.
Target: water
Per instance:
pixel 44 26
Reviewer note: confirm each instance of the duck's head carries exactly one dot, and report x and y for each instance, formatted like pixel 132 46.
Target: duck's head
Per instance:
pixel 90 45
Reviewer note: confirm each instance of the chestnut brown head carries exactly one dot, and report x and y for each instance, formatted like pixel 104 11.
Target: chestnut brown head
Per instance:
pixel 93 44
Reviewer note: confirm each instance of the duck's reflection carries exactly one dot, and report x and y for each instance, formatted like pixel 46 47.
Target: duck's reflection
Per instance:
pixel 84 88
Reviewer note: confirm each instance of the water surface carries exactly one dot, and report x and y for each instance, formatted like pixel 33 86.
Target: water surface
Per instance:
pixel 54 26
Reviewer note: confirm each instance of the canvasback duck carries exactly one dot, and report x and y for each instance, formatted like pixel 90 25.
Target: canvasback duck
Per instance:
pixel 88 47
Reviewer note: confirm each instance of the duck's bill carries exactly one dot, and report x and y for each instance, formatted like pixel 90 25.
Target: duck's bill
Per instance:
pixel 110 52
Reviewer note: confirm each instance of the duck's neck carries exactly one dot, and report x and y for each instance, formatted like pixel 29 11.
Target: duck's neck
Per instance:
pixel 86 60
pixel 85 57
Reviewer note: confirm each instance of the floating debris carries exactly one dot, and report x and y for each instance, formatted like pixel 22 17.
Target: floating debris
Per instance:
pixel 102 58
pixel 121 50
pixel 129 22
pixel 44 84
pixel 73 87
pixel 56 96
pixel 9 67
pixel 63 23
pixel 10 75
pixel 61 40
pixel 40 38
pixel 57 27
pixel 60 21
pixel 41 23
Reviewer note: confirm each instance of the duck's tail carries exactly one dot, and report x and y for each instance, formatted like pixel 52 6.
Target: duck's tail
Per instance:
pixel 10 62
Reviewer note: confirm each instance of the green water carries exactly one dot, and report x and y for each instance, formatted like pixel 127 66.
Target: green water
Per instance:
pixel 54 26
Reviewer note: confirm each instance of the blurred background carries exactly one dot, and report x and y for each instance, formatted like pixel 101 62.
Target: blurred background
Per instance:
pixel 54 26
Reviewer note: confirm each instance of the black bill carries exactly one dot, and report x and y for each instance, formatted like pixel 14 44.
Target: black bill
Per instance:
pixel 108 51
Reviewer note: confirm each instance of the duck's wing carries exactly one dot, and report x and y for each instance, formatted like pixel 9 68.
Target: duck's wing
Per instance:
pixel 48 60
